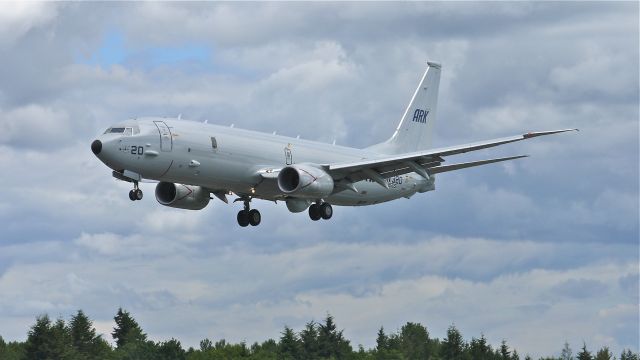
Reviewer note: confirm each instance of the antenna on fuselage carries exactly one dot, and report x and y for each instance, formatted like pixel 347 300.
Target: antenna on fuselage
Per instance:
pixel 232 125
pixel 180 116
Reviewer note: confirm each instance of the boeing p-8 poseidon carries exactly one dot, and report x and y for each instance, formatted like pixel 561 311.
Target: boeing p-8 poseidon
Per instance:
pixel 193 161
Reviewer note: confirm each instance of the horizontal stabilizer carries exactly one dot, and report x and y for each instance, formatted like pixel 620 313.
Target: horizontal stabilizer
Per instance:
pixel 452 167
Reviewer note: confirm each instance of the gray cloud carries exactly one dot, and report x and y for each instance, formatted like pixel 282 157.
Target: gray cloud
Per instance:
pixel 580 288
pixel 491 249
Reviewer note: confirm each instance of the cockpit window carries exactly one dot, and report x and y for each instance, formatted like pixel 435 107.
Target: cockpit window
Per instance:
pixel 126 131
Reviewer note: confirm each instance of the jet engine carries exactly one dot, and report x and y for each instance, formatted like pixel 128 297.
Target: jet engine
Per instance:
pixel 182 196
pixel 305 181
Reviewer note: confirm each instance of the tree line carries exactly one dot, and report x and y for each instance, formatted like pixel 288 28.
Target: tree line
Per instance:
pixel 77 339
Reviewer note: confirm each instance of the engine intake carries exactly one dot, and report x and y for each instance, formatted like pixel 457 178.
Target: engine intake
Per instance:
pixel 182 196
pixel 305 181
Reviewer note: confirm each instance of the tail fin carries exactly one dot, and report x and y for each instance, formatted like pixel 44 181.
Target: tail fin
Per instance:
pixel 416 126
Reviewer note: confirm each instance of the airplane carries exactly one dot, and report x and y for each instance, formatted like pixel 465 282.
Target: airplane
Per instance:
pixel 194 162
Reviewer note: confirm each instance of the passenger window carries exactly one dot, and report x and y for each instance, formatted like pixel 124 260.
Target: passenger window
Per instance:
pixel 214 143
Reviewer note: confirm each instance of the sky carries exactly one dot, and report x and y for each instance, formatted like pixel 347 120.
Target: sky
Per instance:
pixel 538 252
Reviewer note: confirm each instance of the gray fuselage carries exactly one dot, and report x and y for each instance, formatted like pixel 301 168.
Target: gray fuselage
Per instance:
pixel 228 159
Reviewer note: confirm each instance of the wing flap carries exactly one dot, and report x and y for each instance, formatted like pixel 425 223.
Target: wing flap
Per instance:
pixel 452 167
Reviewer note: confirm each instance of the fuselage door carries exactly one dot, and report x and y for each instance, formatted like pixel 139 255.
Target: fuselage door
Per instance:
pixel 166 141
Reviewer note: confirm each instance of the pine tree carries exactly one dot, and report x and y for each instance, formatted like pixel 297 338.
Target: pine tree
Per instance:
pixel 566 353
pixel 331 342
pixel 604 354
pixel 327 338
pixel 289 347
pixel 479 350
pixel 629 355
pixel 171 350
pixel 12 350
pixel 309 339
pixel 267 350
pixel 381 340
pixel 453 346
pixel 514 355
pixel 62 341
pixel 49 341
pixel 584 354
pixel 394 342
pixel 414 340
pixel 84 339
pixel 505 354
pixel 39 340
pixel 127 329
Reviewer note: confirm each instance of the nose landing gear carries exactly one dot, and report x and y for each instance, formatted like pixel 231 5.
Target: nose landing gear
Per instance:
pixel 136 193
pixel 320 210
pixel 248 216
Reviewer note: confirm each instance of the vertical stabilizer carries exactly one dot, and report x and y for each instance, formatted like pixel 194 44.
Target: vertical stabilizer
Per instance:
pixel 416 126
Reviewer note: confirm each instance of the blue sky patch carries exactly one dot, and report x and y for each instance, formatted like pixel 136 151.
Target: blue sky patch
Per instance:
pixel 113 50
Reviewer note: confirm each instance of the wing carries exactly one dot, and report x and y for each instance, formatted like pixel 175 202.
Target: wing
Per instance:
pixel 425 163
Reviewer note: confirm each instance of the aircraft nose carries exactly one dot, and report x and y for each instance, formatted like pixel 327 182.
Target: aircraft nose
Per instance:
pixel 96 146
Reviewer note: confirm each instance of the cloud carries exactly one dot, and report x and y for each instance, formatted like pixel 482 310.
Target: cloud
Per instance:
pixel 18 18
pixel 583 78
pixel 35 126
pixel 112 244
pixel 579 288
pixel 551 239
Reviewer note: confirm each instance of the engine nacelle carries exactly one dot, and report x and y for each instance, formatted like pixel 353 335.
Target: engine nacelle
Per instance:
pixel 305 181
pixel 181 196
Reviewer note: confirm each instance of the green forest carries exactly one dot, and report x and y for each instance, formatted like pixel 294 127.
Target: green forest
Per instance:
pixel 76 339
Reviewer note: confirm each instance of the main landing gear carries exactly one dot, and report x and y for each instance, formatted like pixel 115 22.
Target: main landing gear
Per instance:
pixel 248 216
pixel 136 193
pixel 320 210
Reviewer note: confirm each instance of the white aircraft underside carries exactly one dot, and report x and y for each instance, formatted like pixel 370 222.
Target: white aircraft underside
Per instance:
pixel 192 161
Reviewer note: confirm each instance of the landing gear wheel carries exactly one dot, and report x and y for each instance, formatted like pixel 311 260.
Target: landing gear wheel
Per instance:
pixel 136 193
pixel 254 217
pixel 314 212
pixel 326 211
pixel 247 216
pixel 243 218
